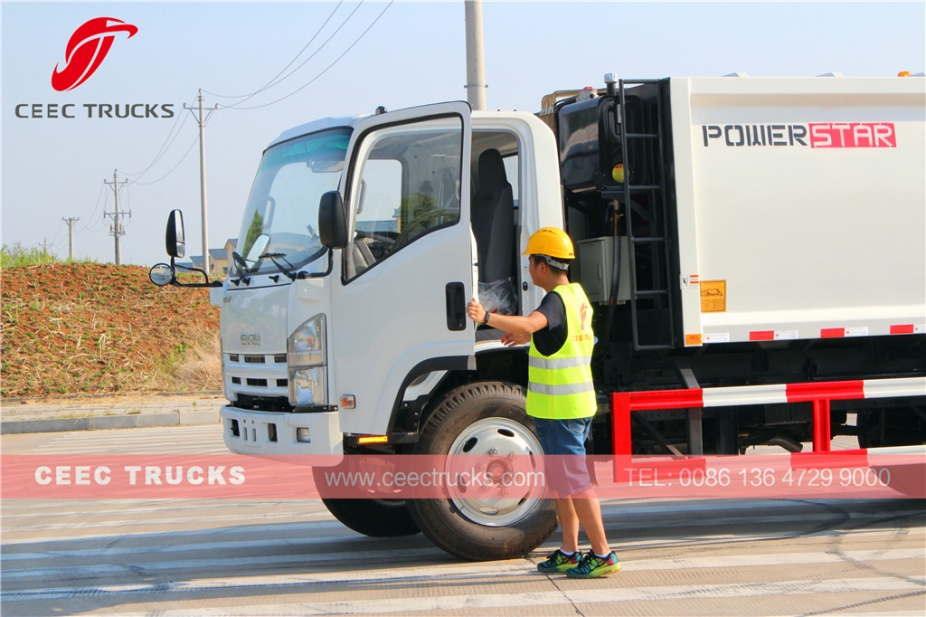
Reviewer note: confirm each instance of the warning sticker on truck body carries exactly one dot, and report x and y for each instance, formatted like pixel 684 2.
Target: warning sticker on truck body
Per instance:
pixel 713 296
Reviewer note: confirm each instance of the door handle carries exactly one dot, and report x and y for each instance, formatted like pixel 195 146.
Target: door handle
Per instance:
pixel 456 306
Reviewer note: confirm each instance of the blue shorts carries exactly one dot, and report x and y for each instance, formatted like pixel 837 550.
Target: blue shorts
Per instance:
pixel 563 443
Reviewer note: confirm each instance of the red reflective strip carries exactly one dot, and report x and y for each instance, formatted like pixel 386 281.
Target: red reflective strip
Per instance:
pixel 762 335
pixel 666 399
pixel 908 329
pixel 824 460
pixel 832 332
pixel 846 390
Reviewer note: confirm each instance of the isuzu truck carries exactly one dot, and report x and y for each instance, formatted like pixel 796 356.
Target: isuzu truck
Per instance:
pixel 754 248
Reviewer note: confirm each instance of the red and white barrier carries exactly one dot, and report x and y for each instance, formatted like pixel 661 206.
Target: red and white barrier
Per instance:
pixel 818 393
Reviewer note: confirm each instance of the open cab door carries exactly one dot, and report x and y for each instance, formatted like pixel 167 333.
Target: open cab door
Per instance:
pixel 407 269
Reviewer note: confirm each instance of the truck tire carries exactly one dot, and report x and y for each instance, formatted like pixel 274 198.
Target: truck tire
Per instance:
pixel 377 518
pixel 477 419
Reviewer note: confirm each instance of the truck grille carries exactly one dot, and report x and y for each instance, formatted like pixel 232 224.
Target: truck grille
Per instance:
pixel 279 358
pixel 259 375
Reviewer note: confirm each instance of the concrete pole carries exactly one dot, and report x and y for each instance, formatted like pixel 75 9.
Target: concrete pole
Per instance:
pixel 70 222
pixel 117 227
pixel 475 56
pixel 202 182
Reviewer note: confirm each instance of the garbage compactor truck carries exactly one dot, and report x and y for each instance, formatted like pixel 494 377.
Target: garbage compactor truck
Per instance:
pixel 745 239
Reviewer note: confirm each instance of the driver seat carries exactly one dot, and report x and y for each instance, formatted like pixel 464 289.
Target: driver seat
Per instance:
pixel 493 219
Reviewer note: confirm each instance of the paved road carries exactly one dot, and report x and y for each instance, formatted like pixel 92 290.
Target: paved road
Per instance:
pixel 238 557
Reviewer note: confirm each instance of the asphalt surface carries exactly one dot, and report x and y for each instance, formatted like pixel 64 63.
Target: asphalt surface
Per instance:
pixel 87 413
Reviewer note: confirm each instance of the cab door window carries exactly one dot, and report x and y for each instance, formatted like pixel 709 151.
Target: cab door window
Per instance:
pixel 407 185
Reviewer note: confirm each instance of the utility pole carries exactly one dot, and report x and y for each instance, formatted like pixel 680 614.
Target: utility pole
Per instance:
pixel 201 120
pixel 117 230
pixel 70 222
pixel 475 56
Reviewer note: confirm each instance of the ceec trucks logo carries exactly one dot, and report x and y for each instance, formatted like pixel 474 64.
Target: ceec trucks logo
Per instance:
pixel 86 50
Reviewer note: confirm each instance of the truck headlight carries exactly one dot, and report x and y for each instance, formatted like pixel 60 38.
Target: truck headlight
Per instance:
pixel 307 358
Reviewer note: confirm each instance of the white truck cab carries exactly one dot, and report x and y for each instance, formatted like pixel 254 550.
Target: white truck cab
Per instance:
pixel 343 337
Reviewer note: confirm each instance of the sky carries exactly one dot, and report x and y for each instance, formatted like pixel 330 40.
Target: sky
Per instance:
pixel 342 59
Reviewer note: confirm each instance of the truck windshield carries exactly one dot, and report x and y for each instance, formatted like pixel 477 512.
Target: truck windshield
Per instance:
pixel 282 211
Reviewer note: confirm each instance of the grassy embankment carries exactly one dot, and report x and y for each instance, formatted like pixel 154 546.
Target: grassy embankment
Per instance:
pixel 88 328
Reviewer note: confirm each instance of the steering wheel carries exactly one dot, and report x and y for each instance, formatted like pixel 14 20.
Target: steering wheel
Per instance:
pixel 431 218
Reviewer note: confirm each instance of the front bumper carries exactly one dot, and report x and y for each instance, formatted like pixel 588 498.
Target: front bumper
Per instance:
pixel 280 433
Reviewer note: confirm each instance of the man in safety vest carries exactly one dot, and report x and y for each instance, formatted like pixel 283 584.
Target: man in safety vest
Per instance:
pixel 560 397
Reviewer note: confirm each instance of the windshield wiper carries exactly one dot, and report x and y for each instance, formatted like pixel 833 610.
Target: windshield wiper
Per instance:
pixel 242 269
pixel 290 272
pixel 240 261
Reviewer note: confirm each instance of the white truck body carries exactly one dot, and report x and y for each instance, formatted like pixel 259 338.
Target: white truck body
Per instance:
pixel 801 201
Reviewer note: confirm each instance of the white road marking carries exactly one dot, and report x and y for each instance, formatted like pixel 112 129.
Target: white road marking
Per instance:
pixel 397 573
pixel 488 601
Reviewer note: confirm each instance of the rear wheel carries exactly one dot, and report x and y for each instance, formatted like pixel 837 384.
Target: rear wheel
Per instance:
pixel 486 419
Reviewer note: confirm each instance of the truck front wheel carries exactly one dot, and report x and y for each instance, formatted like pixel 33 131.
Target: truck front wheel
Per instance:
pixel 377 518
pixel 486 419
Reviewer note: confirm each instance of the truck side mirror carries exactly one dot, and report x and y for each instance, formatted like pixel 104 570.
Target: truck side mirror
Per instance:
pixel 332 226
pixel 161 275
pixel 175 244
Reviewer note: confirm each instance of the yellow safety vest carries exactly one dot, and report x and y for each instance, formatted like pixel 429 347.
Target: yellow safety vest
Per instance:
pixel 560 386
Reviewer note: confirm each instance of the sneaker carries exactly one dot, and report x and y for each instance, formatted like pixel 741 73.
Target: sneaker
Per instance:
pixel 558 561
pixel 593 566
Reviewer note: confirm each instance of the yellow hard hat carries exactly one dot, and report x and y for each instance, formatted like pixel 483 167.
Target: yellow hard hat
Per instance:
pixel 550 241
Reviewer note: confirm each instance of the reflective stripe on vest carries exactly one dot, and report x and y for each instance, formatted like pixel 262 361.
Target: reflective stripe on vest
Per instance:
pixel 541 362
pixel 575 388
pixel 560 386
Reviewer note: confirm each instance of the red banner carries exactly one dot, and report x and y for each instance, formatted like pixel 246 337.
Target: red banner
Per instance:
pixel 852 474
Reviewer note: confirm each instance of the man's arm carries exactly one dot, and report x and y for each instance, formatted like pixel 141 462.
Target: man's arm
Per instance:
pixel 520 327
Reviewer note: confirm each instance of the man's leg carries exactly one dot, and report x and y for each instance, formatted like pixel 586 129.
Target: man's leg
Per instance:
pixel 569 524
pixel 588 512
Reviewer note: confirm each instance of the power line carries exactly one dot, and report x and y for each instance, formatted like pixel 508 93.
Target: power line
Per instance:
pixel 85 227
pixel 190 149
pixel 168 142
pixel 57 233
pixel 328 40
pixel 326 69
pixel 128 201
pixel 274 81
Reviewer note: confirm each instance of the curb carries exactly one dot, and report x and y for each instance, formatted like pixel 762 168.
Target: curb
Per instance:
pixel 94 423
pixel 112 395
